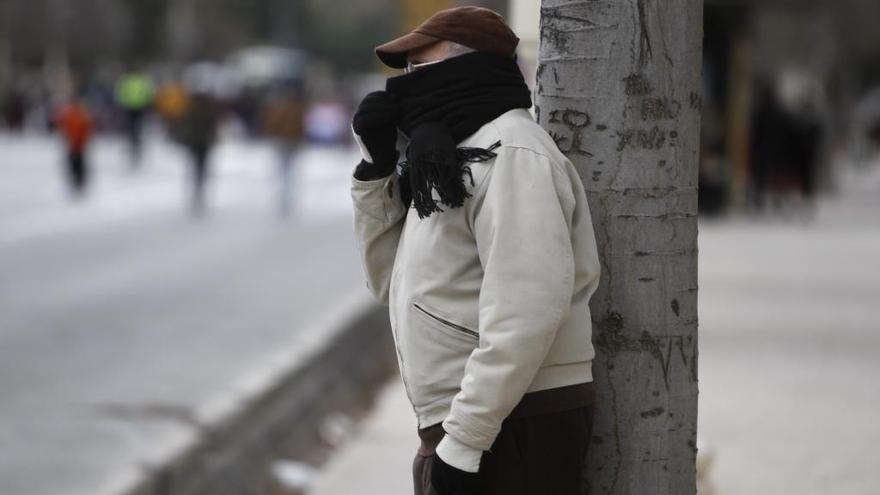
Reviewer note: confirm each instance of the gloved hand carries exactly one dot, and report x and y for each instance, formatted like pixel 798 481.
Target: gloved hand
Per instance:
pixel 449 480
pixel 375 125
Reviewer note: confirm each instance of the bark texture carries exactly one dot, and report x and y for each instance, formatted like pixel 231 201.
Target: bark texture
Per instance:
pixel 618 88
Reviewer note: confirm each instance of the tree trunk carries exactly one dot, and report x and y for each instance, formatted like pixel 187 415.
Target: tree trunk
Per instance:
pixel 618 88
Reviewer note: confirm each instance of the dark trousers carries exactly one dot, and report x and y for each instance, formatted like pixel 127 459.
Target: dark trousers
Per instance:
pixel 199 177
pixel 77 172
pixel 534 455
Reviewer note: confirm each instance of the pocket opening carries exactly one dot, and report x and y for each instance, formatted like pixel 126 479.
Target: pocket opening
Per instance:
pixel 445 322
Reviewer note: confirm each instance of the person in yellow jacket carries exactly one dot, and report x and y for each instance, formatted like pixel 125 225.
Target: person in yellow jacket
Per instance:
pixel 282 122
pixel 172 101
pixel 196 131
pixel 474 228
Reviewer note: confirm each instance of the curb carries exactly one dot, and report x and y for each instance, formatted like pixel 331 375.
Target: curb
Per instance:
pixel 275 412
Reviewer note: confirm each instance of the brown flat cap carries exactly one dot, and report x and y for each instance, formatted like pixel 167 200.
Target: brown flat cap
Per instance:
pixel 475 27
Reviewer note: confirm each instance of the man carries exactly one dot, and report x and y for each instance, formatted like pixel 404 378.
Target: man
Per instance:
pixel 480 241
pixel 282 119
pixel 196 130
pixel 77 126
pixel 134 95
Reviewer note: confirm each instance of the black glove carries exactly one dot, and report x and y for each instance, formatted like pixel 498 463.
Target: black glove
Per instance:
pixel 449 480
pixel 375 121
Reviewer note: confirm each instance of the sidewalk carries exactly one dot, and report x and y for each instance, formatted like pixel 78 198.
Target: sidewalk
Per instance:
pixel 380 458
pixel 788 360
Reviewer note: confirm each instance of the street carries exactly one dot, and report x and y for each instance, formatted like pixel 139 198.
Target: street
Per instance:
pixel 124 322
pixel 183 304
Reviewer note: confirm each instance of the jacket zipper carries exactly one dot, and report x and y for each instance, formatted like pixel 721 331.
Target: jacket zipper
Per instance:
pixel 397 347
pixel 403 377
pixel 448 323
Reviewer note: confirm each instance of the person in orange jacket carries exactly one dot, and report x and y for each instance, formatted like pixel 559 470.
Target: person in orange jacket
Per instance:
pixel 76 126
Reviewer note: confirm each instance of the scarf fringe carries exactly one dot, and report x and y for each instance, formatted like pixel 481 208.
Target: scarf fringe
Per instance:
pixel 476 154
pixel 433 171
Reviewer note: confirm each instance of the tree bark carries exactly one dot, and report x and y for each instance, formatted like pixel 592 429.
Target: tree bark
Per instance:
pixel 618 88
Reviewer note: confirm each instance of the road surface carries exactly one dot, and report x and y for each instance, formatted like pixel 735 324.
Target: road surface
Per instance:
pixel 123 320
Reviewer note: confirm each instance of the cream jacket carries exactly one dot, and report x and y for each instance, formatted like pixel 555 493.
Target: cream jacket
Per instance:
pixel 488 301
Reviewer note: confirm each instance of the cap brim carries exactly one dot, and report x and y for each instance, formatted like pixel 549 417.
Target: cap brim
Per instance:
pixel 393 53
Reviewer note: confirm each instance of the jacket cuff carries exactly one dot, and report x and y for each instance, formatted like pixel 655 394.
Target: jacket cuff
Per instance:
pixel 479 435
pixel 363 147
pixel 459 455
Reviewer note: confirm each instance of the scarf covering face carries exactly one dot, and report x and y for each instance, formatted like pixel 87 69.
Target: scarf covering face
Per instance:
pixel 441 105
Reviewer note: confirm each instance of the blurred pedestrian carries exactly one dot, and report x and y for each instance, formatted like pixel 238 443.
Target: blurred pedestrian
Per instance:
pixel 172 101
pixel 282 120
pixel 786 144
pixel 134 95
pixel 197 131
pixel 76 125
pixel 874 134
pixel 14 108
pixel 765 149
pixel 501 383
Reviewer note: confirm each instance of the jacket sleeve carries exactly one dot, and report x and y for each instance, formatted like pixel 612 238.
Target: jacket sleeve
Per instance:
pixel 522 229
pixel 378 215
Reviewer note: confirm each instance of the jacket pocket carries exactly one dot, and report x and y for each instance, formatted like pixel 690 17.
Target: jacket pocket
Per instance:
pixel 443 322
pixel 436 351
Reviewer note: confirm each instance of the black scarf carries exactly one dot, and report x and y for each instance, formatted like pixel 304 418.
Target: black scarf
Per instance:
pixel 441 105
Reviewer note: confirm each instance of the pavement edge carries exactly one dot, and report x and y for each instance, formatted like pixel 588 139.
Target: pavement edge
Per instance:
pixel 276 411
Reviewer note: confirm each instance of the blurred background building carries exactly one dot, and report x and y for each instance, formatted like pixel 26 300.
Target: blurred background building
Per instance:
pixel 49 46
pixel 771 68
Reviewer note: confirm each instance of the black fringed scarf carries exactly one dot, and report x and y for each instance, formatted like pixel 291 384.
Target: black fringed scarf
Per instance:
pixel 441 105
